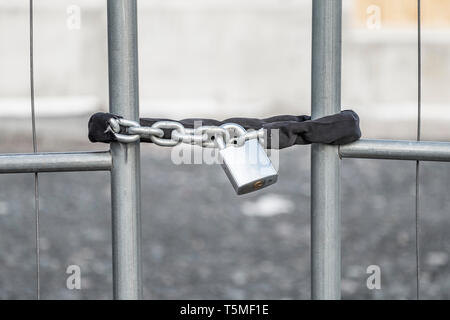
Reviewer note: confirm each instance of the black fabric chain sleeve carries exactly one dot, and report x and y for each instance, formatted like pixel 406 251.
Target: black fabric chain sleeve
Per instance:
pixel 337 129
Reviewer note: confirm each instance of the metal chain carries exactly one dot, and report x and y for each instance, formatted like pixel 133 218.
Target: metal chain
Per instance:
pixel 127 131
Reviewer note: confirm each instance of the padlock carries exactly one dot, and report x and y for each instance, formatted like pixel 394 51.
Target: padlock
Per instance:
pixel 247 166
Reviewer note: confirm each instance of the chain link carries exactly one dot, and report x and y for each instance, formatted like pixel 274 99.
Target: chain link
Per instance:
pixel 128 131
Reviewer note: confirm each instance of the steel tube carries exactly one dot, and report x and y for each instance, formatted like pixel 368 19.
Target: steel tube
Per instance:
pixel 397 149
pixel 325 162
pixel 55 162
pixel 125 172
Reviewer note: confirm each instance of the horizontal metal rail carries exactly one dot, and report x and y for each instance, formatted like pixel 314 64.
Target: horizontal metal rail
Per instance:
pixel 397 150
pixel 55 162
pixel 101 161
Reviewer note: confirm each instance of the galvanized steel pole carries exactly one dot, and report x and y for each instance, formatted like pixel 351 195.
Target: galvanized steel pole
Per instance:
pixel 325 162
pixel 397 150
pixel 125 172
pixel 55 162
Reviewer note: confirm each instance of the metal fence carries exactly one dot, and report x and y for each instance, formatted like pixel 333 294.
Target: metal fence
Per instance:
pixel 123 160
pixel 325 160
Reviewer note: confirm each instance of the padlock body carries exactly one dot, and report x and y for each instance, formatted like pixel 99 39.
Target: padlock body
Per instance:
pixel 248 167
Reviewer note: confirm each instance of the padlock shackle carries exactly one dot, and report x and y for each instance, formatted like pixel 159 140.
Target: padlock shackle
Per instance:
pixel 221 144
pixel 237 127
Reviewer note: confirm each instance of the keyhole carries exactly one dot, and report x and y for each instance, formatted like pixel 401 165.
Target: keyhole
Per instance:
pixel 258 184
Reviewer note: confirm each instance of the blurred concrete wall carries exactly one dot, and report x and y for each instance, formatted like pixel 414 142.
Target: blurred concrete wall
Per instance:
pixel 221 58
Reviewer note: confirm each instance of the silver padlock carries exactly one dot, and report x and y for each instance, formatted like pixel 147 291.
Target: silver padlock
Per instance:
pixel 247 166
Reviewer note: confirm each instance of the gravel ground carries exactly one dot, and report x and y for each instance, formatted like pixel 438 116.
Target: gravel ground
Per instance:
pixel 201 241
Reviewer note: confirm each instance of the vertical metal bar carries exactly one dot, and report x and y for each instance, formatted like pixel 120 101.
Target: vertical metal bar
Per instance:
pixel 36 176
pixel 125 172
pixel 325 162
pixel 419 126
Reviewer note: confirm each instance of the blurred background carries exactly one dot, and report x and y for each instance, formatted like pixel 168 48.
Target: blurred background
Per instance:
pixel 222 58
